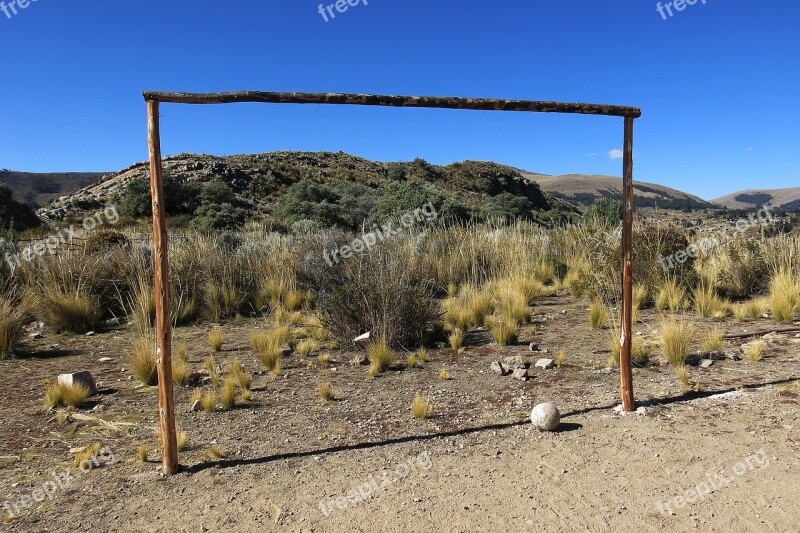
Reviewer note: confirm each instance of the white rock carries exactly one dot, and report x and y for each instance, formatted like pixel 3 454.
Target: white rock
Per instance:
pixel 545 363
pixel 196 406
pixel 520 374
pixel 546 417
pixel 361 338
pixel 106 360
pixel 79 378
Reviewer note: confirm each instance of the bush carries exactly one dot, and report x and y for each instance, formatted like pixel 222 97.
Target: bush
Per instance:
pixel 307 200
pixel 218 217
pixel 381 291
pixel 604 212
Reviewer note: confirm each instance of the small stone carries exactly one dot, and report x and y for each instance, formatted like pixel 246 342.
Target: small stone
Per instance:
pixel 106 360
pixel 514 362
pixel 520 374
pixel 533 347
pixel 36 335
pixel 706 363
pixel 604 371
pixel 498 368
pixel 546 417
pixel 362 338
pixel 196 406
pixel 79 378
pixel 90 333
pixel 545 364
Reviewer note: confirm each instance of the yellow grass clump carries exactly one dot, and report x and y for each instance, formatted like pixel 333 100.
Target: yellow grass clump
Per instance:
pixel 597 314
pixel 215 340
pixel 143 361
pixel 380 356
pixel 421 408
pixel 676 337
pixel 670 296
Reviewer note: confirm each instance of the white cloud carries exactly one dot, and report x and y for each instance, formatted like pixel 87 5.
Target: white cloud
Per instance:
pixel 616 153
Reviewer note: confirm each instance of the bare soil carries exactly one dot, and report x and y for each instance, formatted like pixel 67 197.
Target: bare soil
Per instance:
pixel 489 470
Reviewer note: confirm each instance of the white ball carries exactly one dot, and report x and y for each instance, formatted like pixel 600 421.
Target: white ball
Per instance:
pixel 546 417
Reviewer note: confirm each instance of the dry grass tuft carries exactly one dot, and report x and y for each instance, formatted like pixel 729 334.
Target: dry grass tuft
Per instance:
pixel 412 361
pixel 87 455
pixel 561 358
pixel 380 356
pixel 421 408
pixel 670 296
pixel 209 401
pixel 755 351
pixel 444 375
pixel 214 453
pixel 708 304
pixel 784 296
pixel 180 372
pixel 422 355
pixel 215 340
pixel 676 337
pixel 307 347
pixel 683 375
pixel 12 322
pixel 456 338
pixel 597 314
pixel 227 395
pixel 504 331
pixel 143 453
pixel 326 391
pixel 60 394
pixel 71 311
pixel 143 361
pixel 712 341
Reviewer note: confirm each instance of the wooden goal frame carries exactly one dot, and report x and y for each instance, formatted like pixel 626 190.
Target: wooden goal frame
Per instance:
pixel 160 256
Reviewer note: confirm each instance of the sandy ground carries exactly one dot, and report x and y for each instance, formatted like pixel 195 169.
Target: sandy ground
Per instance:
pixel 362 463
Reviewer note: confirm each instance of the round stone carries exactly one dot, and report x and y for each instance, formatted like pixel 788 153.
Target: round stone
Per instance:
pixel 546 417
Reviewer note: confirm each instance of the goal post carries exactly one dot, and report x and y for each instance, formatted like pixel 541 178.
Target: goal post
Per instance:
pixel 160 237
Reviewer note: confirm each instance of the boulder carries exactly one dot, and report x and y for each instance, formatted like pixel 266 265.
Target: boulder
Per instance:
pixel 513 362
pixel 520 374
pixel 498 368
pixel 545 364
pixel 79 378
pixel 546 417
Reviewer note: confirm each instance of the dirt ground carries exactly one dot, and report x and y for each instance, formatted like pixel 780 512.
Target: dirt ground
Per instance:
pixel 698 461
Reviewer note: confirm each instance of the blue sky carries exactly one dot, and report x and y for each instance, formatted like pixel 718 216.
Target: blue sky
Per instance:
pixel 717 83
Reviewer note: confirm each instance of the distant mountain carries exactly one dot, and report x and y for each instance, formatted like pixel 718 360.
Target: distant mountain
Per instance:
pixel 583 190
pixel 786 199
pixel 36 189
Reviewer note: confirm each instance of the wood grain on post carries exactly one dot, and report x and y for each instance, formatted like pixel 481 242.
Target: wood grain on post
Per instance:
pixel 166 404
pixel 626 337
pixel 477 104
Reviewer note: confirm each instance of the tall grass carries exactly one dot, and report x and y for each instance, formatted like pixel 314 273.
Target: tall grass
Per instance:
pixel 676 336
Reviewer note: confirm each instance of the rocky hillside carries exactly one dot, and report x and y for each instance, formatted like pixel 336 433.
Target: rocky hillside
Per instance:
pixel 584 190
pixel 260 182
pixel 786 199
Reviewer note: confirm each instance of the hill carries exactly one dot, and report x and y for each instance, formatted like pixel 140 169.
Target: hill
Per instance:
pixel 786 199
pixel 351 189
pixel 583 190
pixel 37 189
